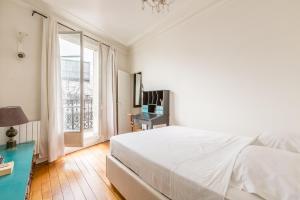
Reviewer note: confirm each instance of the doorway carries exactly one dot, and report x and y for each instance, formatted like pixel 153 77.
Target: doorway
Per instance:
pixel 124 101
pixel 80 77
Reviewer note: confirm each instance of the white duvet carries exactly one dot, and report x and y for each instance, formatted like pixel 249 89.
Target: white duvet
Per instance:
pixel 181 163
pixel 270 173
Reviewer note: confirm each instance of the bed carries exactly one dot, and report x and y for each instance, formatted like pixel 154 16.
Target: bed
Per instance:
pixel 176 163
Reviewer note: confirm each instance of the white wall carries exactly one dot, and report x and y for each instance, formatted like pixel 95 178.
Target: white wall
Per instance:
pixel 20 80
pixel 234 67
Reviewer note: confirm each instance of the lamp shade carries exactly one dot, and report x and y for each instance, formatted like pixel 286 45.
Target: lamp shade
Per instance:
pixel 11 116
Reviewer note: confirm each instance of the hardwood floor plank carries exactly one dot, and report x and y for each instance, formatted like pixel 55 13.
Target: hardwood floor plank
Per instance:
pixel 36 195
pixel 93 180
pixel 85 188
pixel 46 191
pixel 77 176
pixel 98 162
pixel 63 181
pixel 54 183
pixel 66 172
pixel 36 184
pixel 94 169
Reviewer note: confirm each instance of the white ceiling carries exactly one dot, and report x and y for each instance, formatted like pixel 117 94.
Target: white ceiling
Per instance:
pixel 123 20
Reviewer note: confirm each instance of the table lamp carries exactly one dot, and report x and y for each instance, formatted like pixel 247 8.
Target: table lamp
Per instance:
pixel 11 116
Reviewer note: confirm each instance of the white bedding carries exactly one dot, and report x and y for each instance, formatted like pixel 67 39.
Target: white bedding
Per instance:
pixel 270 173
pixel 288 142
pixel 181 163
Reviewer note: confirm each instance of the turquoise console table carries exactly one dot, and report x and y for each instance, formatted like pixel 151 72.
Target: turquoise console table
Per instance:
pixel 15 185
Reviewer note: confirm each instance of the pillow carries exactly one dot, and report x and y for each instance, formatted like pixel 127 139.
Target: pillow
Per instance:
pixel 286 142
pixel 269 173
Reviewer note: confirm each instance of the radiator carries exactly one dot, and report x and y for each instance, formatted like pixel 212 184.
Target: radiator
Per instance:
pixel 26 132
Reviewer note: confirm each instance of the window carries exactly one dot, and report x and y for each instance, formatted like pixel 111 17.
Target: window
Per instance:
pixel 80 87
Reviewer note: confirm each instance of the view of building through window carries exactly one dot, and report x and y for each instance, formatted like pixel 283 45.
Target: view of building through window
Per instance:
pixel 71 86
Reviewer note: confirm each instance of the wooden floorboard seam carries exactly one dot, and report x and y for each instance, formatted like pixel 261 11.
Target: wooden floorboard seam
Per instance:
pixel 77 176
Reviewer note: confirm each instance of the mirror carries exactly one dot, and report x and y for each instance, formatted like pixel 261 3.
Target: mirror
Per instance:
pixel 137 90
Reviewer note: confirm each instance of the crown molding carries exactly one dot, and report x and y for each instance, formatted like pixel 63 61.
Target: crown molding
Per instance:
pixel 180 16
pixel 74 22
pixel 176 17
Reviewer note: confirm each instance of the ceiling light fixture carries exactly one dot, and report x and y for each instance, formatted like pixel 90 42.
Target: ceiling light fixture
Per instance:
pixel 157 5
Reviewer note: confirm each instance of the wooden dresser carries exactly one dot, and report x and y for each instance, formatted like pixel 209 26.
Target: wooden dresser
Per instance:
pixel 16 185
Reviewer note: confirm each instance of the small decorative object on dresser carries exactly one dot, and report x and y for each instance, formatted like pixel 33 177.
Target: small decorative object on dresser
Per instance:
pixel 11 116
pixel 6 168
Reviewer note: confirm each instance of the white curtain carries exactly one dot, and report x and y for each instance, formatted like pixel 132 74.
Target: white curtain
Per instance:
pixel 109 92
pixel 52 134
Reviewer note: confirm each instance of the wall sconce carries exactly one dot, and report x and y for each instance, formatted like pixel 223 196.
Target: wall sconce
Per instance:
pixel 20 52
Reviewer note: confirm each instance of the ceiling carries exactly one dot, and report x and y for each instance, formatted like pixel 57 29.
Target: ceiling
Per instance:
pixel 122 20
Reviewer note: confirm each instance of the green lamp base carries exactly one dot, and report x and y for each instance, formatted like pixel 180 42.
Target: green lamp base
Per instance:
pixel 11 144
pixel 11 133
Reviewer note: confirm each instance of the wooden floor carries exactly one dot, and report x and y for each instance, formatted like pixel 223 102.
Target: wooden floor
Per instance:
pixel 80 175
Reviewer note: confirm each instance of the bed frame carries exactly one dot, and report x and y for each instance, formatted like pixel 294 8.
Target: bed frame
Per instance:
pixel 128 183
pixel 132 187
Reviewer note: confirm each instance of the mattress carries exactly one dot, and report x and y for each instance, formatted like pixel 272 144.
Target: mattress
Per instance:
pixel 167 160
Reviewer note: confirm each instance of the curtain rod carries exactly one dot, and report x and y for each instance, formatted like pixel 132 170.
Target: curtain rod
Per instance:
pixel 42 15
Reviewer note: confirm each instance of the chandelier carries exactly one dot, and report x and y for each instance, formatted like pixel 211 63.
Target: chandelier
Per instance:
pixel 157 5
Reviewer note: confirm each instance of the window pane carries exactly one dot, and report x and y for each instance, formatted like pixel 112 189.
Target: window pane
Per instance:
pixel 91 90
pixel 70 73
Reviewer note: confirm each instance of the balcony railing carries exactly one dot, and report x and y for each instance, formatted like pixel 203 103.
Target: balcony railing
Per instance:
pixel 72 113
